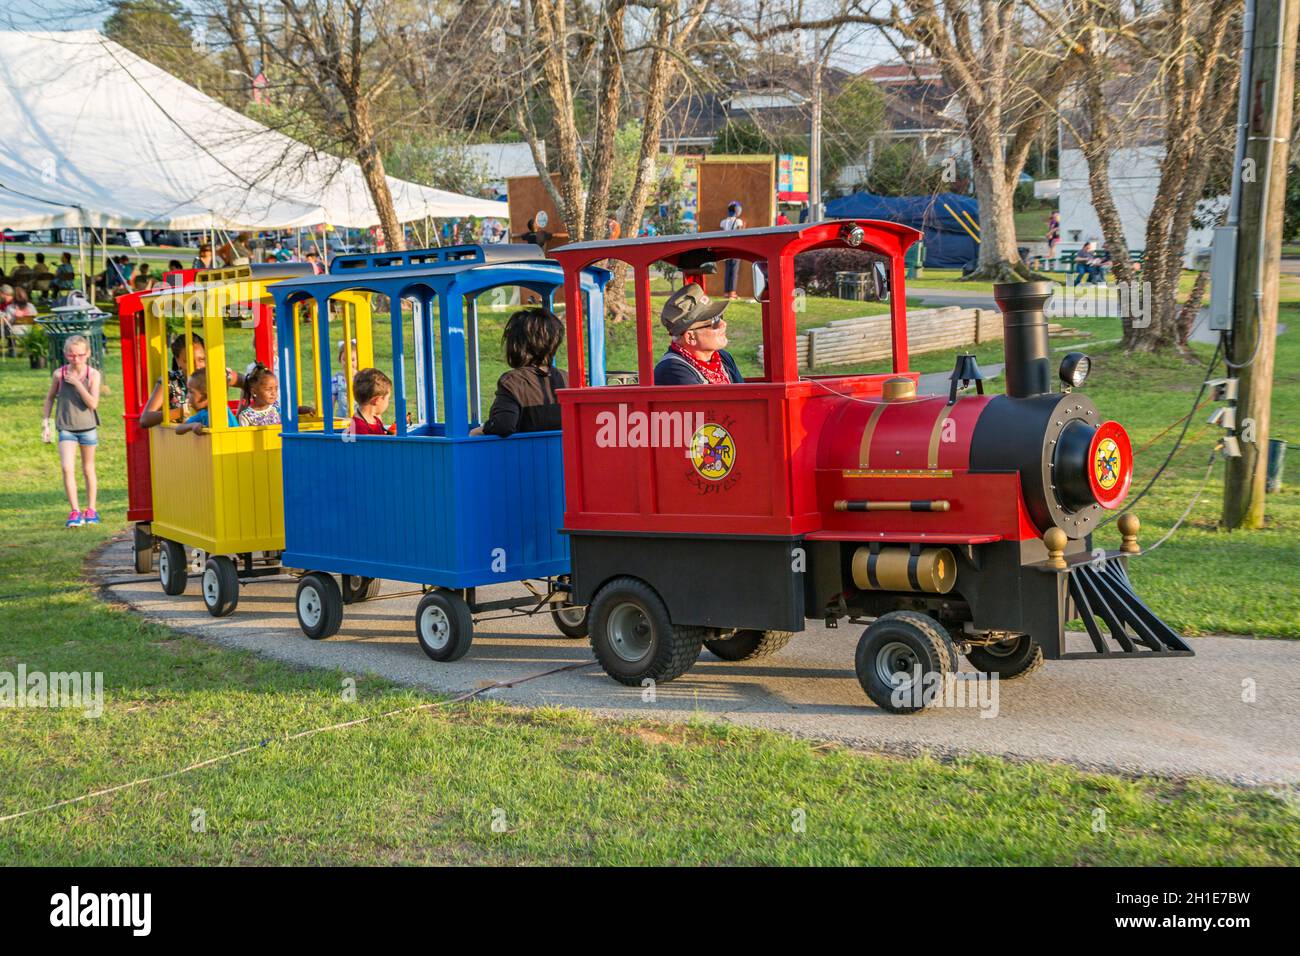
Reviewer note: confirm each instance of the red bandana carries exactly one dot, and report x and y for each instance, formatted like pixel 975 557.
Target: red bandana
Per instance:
pixel 714 372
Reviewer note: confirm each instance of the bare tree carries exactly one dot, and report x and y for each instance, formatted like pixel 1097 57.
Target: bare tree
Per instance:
pixel 1171 69
pixel 1006 72
pixel 635 39
pixel 338 61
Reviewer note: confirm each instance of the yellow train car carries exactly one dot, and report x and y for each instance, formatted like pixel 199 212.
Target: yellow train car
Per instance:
pixel 220 490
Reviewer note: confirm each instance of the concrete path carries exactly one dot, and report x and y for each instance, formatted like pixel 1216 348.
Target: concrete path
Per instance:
pixel 1172 717
pixel 940 298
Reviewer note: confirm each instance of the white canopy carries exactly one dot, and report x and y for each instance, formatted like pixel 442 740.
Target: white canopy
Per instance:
pixel 95 136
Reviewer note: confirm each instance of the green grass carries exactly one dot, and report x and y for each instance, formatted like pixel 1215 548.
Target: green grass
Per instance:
pixel 427 786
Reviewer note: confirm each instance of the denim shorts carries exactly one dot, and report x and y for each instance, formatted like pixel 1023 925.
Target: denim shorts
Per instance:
pixel 81 438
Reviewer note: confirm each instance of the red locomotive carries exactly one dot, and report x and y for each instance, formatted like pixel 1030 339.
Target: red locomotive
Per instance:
pixel 725 516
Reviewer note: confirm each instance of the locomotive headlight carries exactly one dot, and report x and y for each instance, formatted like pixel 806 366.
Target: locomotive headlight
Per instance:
pixel 852 235
pixel 1075 368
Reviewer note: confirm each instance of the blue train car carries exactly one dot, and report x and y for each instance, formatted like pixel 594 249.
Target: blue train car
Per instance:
pixel 431 504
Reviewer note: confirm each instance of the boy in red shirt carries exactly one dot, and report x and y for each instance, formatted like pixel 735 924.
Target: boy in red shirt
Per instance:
pixel 372 390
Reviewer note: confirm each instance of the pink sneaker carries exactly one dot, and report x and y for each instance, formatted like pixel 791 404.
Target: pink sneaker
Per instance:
pixel 90 516
pixel 75 520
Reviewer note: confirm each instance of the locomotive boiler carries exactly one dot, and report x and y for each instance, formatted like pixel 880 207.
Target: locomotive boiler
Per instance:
pixel 984 508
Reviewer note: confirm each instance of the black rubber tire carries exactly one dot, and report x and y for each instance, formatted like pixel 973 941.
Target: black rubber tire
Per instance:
pixel 928 646
pixel 143 543
pixel 444 626
pixel 220 586
pixel 319 605
pixel 571 628
pixel 670 650
pixel 745 645
pixel 357 589
pixel 173 567
pixel 1017 656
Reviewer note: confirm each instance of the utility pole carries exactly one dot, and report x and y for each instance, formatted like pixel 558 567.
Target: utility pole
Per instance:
pixel 1262 184
pixel 815 144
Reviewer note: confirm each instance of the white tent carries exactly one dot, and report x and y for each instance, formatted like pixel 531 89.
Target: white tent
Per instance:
pixel 97 137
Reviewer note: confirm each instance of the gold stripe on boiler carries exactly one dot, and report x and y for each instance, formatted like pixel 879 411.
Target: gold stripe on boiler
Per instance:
pixel 896 473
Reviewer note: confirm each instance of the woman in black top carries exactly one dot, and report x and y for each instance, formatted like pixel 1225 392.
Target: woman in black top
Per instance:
pixel 525 400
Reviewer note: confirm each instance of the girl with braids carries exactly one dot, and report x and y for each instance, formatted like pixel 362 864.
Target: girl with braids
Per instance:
pixel 260 404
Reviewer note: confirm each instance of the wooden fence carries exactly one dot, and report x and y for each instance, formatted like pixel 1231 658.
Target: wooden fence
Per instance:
pixel 867 339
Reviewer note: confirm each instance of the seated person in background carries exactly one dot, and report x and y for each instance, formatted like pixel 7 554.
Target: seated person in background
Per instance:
pixel 204 259
pixel 20 311
pixel 235 251
pixel 65 276
pixel 199 421
pixel 373 390
pixel 41 272
pixel 1089 263
pixel 261 399
pixel 174 265
pixel 22 272
pixel 525 399
pixel 697 355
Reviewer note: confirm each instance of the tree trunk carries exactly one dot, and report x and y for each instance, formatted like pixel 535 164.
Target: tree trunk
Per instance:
pixel 372 167
pixel 999 258
pixel 663 67
pixel 613 49
pixel 551 23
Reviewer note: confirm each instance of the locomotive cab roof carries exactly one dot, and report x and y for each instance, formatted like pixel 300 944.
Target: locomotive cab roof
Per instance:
pixel 775 249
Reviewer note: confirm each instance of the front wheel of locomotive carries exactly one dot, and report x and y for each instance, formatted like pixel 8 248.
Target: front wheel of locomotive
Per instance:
pixel 903 660
pixel 1017 656
pixel 633 637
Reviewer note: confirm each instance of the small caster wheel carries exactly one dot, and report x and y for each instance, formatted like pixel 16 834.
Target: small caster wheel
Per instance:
pixel 633 637
pixel 1017 656
pixel 902 661
pixel 570 620
pixel 444 626
pixel 745 645
pixel 173 567
pixel 320 605
pixel 220 586
pixel 143 549
pixel 357 589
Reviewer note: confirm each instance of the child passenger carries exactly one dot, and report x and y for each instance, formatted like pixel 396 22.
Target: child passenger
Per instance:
pixel 339 380
pixel 199 422
pixel 373 390
pixel 525 400
pixel 261 397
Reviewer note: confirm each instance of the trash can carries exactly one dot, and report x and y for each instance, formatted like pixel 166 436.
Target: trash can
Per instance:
pixel 1276 458
pixel 914 259
pixel 60 324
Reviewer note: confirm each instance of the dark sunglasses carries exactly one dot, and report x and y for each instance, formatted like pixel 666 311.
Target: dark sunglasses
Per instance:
pixel 712 323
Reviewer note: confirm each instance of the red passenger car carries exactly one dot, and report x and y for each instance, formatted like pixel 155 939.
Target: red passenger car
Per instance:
pixel 726 515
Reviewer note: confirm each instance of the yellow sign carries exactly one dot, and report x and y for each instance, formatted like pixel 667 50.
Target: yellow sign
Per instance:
pixel 713 451
pixel 1106 464
pixel 792 177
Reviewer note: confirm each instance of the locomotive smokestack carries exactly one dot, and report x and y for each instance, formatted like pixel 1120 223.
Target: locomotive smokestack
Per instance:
pixel 1024 329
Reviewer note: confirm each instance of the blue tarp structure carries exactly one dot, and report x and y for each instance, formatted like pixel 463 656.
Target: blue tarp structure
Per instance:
pixel 947 244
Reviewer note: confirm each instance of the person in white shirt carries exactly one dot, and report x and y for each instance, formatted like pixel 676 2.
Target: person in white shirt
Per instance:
pixel 731 270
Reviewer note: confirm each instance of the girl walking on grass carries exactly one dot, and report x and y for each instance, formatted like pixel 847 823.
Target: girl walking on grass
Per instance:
pixel 76 386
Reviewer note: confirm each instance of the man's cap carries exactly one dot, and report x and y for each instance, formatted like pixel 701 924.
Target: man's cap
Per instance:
pixel 688 306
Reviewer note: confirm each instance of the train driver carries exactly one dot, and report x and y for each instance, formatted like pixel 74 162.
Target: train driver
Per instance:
pixel 697 354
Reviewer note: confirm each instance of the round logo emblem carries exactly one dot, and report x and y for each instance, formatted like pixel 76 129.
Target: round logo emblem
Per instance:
pixel 1106 465
pixel 713 451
